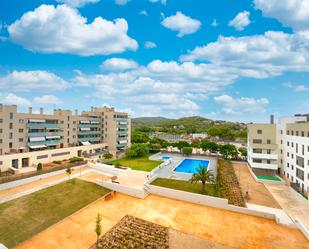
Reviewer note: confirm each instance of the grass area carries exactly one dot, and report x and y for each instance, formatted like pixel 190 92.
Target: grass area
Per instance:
pixel 211 189
pixel 139 163
pixel 24 217
pixel 269 178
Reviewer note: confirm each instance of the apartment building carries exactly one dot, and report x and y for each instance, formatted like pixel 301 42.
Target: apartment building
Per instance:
pixel 99 129
pixel 287 149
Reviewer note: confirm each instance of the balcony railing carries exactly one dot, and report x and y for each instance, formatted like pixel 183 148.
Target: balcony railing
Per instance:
pixel 43 125
pixel 43 134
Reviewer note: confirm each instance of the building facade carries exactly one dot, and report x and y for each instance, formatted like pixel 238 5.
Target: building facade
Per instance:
pixel 282 149
pixel 33 132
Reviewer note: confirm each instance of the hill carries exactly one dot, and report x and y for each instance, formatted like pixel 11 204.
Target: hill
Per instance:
pixel 148 120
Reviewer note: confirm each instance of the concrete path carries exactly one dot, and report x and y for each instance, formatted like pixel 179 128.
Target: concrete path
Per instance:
pixel 224 227
pixel 292 202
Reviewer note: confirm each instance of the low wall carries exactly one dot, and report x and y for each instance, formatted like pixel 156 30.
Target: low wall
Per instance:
pixel 35 178
pixel 302 228
pixel 136 192
pixel 205 200
pixel 108 169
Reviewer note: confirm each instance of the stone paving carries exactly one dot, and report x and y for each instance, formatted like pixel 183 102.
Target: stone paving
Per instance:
pixel 221 226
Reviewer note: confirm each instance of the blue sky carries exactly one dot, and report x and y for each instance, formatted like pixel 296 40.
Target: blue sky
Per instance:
pixel 223 59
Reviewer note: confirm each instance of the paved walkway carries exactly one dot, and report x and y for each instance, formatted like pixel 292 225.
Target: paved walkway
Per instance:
pixel 225 227
pixel 292 202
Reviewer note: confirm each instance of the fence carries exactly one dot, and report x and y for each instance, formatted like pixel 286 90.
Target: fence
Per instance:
pixel 10 178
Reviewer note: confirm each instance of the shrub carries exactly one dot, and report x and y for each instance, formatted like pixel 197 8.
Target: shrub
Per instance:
pixel 76 159
pixel 108 156
pixel 39 167
pixel 57 162
pixel 187 150
pixel 137 150
pixel 228 184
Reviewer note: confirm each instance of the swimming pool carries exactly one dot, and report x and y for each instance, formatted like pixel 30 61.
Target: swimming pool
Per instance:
pixel 191 165
pixel 165 157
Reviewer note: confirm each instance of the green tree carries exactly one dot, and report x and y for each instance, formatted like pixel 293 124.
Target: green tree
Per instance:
pixel 209 146
pixel 69 171
pixel 228 151
pixel 108 156
pixel 196 143
pixel 203 175
pixel 139 137
pixel 98 227
pixel 39 167
pixel 243 151
pixel 138 150
pixel 182 144
pixel 187 150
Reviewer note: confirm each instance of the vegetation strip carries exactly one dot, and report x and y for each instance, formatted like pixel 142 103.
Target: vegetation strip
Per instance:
pixel 24 217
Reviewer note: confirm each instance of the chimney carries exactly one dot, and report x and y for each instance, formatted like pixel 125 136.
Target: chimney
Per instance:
pixel 30 110
pixel 41 110
pixel 271 119
pixel 76 112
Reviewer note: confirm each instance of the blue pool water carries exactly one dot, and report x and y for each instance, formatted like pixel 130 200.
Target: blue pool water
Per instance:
pixel 165 157
pixel 191 165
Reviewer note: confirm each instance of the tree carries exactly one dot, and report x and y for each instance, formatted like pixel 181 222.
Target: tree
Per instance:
pixel 243 151
pixel 182 144
pixel 98 227
pixel 196 143
pixel 209 146
pixel 39 167
pixel 187 150
pixel 108 156
pixel 137 150
pixel 69 171
pixel 228 150
pixel 139 137
pixel 203 175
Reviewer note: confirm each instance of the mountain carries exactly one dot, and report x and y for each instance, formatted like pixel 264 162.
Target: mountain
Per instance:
pixel 148 120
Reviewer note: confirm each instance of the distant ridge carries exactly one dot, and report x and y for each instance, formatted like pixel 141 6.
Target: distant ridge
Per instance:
pixel 149 120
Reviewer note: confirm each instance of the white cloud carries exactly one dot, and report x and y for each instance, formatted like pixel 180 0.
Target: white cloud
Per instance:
pixel 26 81
pixel 156 1
pixel 47 100
pixel 240 21
pixel 118 64
pixel 12 99
pixel 62 29
pixel 239 106
pixel 150 44
pixel 77 3
pixel 143 13
pixel 296 88
pixel 291 13
pixel 214 23
pixel 181 23
pixel 257 56
pixel 121 2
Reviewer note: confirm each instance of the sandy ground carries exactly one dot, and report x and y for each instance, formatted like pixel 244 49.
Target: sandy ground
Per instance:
pixel 292 202
pixel 258 193
pixel 31 185
pixel 221 226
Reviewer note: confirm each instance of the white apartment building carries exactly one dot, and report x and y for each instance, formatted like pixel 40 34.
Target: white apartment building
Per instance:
pixel 25 138
pixel 281 149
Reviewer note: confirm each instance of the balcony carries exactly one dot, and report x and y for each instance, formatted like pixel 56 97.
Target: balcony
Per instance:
pixel 91 139
pixel 89 125
pixel 89 132
pixel 264 166
pixel 52 142
pixel 43 134
pixel 264 156
pixel 43 125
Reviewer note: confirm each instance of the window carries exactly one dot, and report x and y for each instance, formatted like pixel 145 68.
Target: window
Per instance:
pixel 1 163
pixel 255 141
pixel 2 131
pixel 288 143
pixel 268 161
pixel 268 141
pixel 1 141
pixel 21 121
pixel 296 133
pixel 20 130
pixel 302 134
pixel 259 131
pixel 259 151
pixel 11 125
pixel 288 165
pixel 10 135
pixel 60 154
pixel 10 145
pixel 281 132
pixel 257 160
pixel 292 133
pixel 1 120
pixel 11 115
pixel 288 132
pixel 20 140
pixel 300 161
pixel 42 157
pixel 268 151
pixel 300 174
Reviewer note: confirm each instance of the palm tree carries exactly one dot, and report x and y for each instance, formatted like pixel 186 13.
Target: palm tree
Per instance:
pixel 203 175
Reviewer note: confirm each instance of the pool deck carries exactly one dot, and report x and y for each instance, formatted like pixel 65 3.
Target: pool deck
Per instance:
pixel 175 160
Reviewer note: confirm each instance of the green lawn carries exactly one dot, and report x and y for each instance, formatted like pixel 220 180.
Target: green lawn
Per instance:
pixel 211 189
pixel 24 217
pixel 269 178
pixel 140 163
